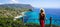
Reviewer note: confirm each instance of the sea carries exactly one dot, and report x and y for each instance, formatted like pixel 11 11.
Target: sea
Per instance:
pixel 49 12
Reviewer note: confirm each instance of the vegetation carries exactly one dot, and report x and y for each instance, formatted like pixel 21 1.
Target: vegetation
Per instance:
pixel 11 12
pixel 8 22
pixel 7 14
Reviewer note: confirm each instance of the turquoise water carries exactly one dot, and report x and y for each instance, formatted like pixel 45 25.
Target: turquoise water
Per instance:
pixel 30 16
pixel 55 13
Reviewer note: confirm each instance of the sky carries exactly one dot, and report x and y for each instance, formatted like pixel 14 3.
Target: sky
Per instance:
pixel 34 3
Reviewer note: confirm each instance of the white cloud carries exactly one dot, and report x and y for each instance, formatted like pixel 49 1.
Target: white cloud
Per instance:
pixel 1 3
pixel 14 1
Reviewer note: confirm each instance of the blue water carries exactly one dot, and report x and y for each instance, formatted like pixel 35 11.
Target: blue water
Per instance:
pixel 55 13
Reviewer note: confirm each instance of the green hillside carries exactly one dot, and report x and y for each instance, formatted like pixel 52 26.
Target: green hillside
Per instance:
pixel 11 12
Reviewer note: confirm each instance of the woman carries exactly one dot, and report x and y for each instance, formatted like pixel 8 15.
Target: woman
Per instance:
pixel 42 17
